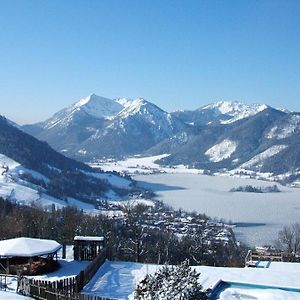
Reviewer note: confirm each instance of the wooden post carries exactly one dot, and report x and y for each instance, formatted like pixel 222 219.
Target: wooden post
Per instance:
pixel 64 251
pixel 7 265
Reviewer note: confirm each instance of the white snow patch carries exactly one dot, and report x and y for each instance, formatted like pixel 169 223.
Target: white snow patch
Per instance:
pixel 258 159
pixel 285 130
pixel 221 151
pixel 114 180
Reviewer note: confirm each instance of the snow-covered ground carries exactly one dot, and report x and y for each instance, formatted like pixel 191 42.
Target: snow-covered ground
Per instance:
pixel 68 268
pixel 143 165
pixel 119 279
pixel 12 296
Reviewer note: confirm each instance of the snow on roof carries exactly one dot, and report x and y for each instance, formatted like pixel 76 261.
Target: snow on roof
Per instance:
pixel 28 247
pixel 89 238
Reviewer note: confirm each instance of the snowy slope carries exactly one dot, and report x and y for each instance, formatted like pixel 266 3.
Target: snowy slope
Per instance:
pixel 93 105
pixel 221 151
pixel 285 129
pixel 162 123
pixel 14 188
pixel 258 159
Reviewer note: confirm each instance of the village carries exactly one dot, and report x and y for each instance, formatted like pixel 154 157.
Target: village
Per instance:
pixel 159 216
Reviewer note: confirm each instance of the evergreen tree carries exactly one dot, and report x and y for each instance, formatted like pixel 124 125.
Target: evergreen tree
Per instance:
pixel 171 283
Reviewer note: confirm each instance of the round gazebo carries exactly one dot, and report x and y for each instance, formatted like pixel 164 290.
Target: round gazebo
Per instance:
pixel 27 255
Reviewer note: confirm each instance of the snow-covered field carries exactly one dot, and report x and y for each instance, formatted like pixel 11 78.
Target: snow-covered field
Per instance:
pixel 143 165
pixel 210 195
pixel 119 279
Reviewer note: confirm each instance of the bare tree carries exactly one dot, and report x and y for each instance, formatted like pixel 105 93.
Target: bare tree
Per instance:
pixel 289 238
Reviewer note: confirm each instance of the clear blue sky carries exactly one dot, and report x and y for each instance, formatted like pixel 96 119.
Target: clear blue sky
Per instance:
pixel 176 54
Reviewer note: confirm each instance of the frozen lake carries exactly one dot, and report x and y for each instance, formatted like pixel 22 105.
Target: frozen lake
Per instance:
pixel 262 214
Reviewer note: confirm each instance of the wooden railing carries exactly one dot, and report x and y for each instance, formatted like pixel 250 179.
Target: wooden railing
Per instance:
pixel 258 256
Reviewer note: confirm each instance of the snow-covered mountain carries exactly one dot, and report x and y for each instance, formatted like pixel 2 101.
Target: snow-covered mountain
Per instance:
pixel 93 105
pixel 32 171
pixel 95 127
pixel 222 136
pixel 266 143
pixel 222 112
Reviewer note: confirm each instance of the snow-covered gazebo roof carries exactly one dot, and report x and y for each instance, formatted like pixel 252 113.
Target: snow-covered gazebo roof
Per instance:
pixel 28 247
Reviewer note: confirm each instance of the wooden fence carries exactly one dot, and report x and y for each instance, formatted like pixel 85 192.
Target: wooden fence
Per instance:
pixel 66 289
pixel 92 268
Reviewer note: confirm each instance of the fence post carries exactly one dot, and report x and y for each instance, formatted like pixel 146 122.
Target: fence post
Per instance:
pixel 64 252
pixel 80 281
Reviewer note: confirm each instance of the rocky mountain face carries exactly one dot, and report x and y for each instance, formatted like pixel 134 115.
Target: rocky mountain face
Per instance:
pixel 219 137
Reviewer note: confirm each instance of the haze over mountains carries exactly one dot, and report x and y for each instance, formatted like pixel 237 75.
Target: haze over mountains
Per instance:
pixel 223 136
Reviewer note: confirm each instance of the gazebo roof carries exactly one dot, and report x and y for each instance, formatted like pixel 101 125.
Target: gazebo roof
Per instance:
pixel 27 247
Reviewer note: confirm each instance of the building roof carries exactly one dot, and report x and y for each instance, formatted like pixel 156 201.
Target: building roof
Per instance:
pixel 89 238
pixel 28 247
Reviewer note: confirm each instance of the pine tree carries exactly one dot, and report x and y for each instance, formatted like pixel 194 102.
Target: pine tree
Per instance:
pixel 171 282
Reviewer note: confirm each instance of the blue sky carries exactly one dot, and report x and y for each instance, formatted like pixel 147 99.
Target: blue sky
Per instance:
pixel 176 54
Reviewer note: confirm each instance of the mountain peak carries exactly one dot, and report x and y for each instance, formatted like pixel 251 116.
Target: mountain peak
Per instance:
pixel 233 109
pixel 139 106
pixel 97 106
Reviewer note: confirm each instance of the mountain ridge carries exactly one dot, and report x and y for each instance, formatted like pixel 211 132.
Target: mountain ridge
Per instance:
pixel 218 136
